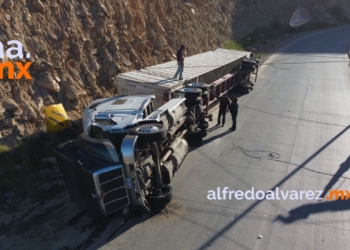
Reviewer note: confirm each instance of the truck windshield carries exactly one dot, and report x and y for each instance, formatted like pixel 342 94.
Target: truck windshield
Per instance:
pixel 102 149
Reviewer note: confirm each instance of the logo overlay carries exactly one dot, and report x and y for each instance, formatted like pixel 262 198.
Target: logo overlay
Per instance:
pixel 276 194
pixel 14 52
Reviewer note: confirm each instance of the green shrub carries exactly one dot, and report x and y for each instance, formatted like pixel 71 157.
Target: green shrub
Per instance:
pixel 230 44
pixel 29 153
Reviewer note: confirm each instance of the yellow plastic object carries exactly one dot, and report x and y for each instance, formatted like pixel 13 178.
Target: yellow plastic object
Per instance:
pixel 56 118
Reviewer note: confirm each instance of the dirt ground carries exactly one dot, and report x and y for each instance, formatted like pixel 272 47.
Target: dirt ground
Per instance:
pixel 60 224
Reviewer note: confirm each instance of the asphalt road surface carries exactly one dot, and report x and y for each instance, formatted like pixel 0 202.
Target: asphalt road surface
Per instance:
pixel 292 133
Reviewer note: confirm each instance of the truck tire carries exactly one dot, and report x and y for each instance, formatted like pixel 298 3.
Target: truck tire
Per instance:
pixel 257 60
pixel 248 67
pixel 193 102
pixel 194 98
pixel 249 62
pixel 244 87
pixel 190 92
pixel 243 90
pixel 198 85
pixel 150 132
pixel 205 94
pixel 203 125
pixel 247 86
pixel 250 83
pixel 194 138
pixel 160 201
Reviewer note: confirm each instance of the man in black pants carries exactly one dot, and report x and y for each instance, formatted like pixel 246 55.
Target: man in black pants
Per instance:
pixel 234 112
pixel 223 108
pixel 180 61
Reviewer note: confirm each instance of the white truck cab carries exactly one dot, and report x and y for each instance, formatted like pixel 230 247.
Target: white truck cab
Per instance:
pixel 116 113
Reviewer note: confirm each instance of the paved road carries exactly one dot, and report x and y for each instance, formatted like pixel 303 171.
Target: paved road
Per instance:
pixel 293 133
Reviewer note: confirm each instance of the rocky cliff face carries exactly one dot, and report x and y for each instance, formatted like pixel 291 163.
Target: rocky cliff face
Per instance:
pixel 77 47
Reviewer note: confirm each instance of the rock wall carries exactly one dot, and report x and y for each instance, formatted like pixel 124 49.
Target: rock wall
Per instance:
pixel 78 46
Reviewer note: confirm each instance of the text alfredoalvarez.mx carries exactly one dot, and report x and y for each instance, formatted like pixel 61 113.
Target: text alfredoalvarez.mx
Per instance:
pixel 12 53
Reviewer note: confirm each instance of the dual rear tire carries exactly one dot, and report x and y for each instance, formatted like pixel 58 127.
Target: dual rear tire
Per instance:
pixel 194 137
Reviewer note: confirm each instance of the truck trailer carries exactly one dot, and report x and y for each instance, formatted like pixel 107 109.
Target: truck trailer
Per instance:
pixel 223 68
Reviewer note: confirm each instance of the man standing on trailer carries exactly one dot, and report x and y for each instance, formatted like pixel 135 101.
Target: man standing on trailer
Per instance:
pixel 223 108
pixel 180 61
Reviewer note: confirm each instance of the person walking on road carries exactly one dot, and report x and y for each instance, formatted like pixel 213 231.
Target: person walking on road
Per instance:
pixel 234 112
pixel 180 61
pixel 223 108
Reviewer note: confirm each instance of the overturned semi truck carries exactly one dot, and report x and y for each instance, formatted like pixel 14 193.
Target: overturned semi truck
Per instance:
pixel 129 152
pixel 132 145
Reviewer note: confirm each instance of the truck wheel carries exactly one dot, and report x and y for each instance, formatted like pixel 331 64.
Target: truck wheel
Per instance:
pixel 190 92
pixel 249 62
pixel 246 85
pixel 250 83
pixel 244 90
pixel 243 86
pixel 205 94
pixel 198 85
pixel 248 67
pixel 193 102
pixel 203 125
pixel 150 132
pixel 257 60
pixel 194 138
pixel 162 199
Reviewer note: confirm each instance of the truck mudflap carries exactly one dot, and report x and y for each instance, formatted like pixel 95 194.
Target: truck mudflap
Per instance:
pixel 138 201
pixel 93 174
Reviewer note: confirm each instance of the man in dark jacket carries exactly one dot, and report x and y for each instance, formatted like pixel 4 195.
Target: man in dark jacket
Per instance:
pixel 180 61
pixel 234 112
pixel 223 108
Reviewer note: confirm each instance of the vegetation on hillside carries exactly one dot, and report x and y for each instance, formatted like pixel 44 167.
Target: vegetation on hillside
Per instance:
pixel 20 165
